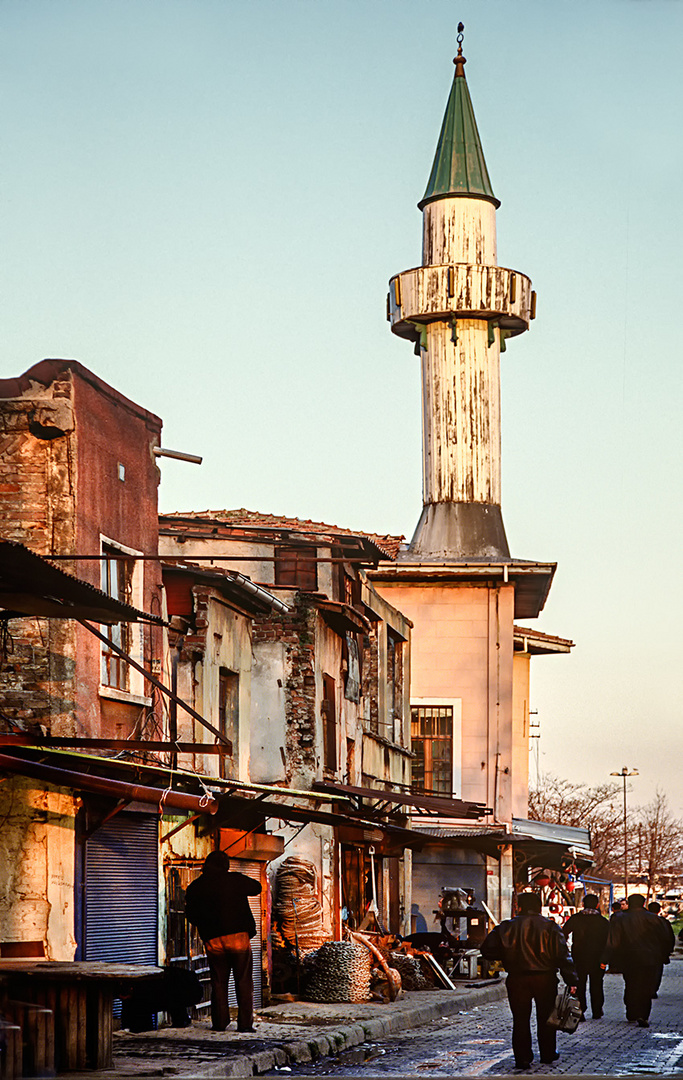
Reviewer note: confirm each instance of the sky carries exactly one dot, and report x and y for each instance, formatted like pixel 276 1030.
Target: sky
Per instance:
pixel 203 201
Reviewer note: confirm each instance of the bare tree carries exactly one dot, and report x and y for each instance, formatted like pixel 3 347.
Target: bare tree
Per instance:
pixel 596 808
pixel 655 837
pixel 657 843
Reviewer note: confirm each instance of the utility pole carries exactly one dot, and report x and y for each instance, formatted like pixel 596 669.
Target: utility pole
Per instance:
pixel 625 773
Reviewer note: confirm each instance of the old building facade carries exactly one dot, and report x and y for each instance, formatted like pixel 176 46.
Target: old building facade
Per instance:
pixel 328 690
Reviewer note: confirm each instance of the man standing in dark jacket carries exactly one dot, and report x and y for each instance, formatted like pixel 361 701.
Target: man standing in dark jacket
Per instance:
pixel 637 945
pixel 588 930
pixel 656 909
pixel 217 903
pixel 531 949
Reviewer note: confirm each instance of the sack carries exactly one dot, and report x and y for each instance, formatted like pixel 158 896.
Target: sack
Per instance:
pixel 566 1015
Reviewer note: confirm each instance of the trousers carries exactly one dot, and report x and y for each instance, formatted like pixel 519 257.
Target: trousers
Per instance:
pixel 231 953
pixel 523 991
pixel 593 975
pixel 640 986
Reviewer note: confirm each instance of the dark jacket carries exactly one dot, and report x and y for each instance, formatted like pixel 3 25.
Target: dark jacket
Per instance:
pixel 217 903
pixel 638 938
pixel 588 931
pixel 530 944
pixel 669 931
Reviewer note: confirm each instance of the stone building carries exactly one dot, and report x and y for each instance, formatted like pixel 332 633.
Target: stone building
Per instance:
pixel 328 695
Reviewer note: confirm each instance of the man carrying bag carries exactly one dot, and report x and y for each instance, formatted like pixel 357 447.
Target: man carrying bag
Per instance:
pixel 531 950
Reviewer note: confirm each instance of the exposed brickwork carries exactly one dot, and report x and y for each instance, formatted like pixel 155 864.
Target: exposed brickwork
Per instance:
pixel 296 630
pixel 37 488
pixel 370 675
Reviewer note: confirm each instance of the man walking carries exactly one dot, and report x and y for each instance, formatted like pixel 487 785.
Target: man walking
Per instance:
pixel 656 909
pixel 588 931
pixel 217 904
pixel 531 949
pixel 637 945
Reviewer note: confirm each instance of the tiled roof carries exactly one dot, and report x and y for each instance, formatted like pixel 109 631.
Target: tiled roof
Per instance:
pixel 387 544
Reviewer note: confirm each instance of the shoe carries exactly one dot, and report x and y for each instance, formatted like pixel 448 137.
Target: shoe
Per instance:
pixel 581 1018
pixel 522 1064
pixel 251 1029
pixel 643 1023
pixel 549 1061
pixel 597 1016
pixel 655 996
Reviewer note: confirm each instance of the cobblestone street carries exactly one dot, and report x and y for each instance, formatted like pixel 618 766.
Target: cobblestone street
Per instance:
pixel 477 1043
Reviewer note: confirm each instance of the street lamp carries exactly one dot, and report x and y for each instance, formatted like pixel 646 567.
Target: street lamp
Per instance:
pixel 625 773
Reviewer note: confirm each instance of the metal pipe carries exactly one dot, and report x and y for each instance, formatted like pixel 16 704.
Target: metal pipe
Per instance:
pixel 194 459
pixel 101 785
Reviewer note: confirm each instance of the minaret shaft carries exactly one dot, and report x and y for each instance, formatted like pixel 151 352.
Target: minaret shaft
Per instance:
pixel 459 231
pixel 461 414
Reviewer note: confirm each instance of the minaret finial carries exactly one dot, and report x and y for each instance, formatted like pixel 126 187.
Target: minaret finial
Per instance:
pixel 460 60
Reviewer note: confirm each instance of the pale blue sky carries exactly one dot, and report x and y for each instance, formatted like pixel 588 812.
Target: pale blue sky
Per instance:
pixel 203 200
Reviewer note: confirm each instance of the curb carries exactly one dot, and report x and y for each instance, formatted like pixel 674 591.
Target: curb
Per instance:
pixel 321 1045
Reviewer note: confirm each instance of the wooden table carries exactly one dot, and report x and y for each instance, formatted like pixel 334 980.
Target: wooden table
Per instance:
pixel 80 995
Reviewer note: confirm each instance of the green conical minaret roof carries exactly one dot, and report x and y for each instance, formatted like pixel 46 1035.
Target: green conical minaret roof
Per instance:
pixel 459 167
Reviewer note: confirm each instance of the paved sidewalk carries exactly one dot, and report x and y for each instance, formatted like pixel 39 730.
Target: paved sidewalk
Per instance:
pixel 477 1044
pixel 286 1035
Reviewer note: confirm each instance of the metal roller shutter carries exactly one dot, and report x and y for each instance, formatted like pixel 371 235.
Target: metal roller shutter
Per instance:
pixel 252 870
pixel 121 890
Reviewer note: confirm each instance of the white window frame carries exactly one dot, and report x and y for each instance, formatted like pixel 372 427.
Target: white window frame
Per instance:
pixel 135 694
pixel 456 705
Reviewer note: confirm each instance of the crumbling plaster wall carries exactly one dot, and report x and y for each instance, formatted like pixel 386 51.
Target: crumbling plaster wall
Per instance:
pixel 37 854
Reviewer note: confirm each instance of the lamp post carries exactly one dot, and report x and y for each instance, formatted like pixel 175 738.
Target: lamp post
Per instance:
pixel 625 773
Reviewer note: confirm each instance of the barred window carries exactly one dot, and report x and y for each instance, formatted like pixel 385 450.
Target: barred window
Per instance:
pixel 432 744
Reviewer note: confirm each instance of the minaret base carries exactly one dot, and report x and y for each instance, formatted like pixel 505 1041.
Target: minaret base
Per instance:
pixel 460 531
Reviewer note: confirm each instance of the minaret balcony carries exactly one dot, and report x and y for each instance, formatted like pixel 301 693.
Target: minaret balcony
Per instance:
pixel 460 291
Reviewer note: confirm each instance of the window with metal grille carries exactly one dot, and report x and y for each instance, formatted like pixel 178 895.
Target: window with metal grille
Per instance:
pixel 432 744
pixel 116 579
pixel 296 568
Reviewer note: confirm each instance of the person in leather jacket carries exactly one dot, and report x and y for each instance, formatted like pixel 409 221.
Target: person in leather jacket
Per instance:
pixel 531 949
pixel 588 930
pixel 638 944
pixel 217 903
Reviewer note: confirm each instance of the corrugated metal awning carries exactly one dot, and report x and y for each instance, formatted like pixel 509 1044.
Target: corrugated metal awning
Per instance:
pixel 30 585
pixel 435 804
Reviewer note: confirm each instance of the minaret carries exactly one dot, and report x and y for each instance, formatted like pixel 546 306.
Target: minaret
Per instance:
pixel 458 308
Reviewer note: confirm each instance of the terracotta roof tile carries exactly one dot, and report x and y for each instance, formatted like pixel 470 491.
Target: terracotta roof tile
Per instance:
pixel 387 543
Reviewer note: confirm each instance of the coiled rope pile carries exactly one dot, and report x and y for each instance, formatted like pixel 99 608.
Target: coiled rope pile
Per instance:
pixel 297 914
pixel 338 971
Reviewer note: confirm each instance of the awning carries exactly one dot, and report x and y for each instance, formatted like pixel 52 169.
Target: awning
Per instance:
pixel 487 840
pixel 383 798
pixel 117 789
pixel 341 618
pixel 247 812
pixel 544 843
pixel 234 803
pixel 29 585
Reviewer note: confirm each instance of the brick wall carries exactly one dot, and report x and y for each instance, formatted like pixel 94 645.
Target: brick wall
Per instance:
pixel 296 630
pixel 37 486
